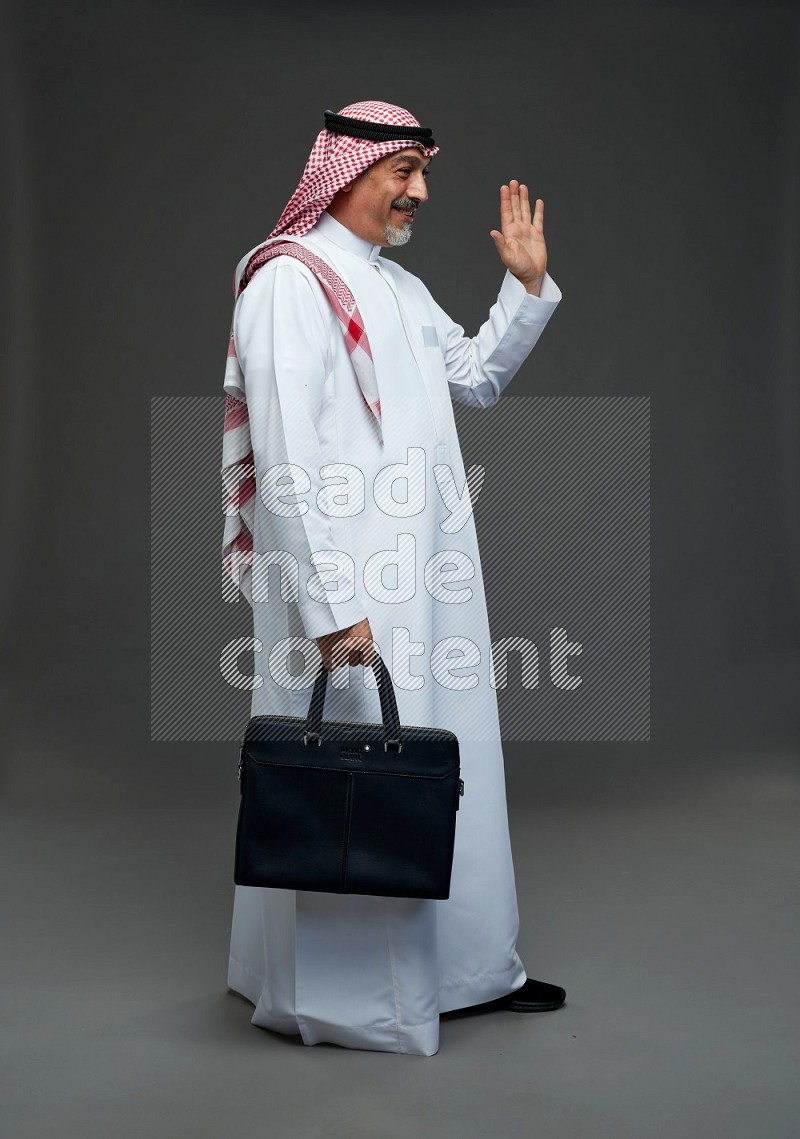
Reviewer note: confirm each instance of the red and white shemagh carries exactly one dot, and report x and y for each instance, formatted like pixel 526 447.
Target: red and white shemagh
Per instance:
pixel 335 160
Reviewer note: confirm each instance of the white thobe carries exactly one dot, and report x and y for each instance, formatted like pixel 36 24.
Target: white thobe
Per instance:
pixel 365 971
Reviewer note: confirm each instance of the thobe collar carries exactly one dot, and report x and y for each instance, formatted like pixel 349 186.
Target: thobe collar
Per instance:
pixel 340 235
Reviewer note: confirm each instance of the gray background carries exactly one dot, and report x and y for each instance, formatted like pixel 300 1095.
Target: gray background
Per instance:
pixel 145 147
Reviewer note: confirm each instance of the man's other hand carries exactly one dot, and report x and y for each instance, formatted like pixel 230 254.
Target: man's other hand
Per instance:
pixel 355 645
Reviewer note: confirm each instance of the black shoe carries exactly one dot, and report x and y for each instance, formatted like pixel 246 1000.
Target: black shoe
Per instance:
pixel 533 996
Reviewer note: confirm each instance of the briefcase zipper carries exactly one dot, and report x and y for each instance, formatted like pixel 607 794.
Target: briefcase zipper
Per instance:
pixel 365 724
pixel 396 774
pixel 355 724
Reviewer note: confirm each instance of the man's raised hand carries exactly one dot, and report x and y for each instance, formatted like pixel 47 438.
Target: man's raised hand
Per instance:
pixel 521 243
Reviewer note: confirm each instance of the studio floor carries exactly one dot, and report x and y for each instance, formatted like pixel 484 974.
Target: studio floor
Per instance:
pixel 662 894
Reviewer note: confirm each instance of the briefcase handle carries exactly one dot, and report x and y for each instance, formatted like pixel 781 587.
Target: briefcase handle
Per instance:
pixel 391 719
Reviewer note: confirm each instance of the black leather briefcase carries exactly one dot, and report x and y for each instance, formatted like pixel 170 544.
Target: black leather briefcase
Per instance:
pixel 346 807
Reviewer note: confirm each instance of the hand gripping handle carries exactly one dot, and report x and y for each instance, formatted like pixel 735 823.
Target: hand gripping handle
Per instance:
pixel 391 719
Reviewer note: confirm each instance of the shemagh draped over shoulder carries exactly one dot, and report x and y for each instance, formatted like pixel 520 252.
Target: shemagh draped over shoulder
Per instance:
pixel 351 141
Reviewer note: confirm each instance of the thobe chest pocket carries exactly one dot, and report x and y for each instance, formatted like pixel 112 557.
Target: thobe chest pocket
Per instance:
pixel 429 336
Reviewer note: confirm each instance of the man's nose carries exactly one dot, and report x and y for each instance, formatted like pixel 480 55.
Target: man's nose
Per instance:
pixel 417 188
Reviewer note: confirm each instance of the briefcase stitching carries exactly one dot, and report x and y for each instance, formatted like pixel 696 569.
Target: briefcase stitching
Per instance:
pixel 348 814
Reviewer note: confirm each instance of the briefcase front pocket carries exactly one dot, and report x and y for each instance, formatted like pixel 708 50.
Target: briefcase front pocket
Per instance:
pixel 396 825
pixel 315 826
pixel 291 828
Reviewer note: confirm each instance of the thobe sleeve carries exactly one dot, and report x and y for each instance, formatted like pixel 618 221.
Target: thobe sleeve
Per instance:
pixel 480 367
pixel 283 332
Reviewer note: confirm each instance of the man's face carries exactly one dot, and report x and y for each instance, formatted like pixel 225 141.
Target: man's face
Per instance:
pixel 381 203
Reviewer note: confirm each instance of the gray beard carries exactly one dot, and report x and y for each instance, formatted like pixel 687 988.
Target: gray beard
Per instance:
pixel 398 235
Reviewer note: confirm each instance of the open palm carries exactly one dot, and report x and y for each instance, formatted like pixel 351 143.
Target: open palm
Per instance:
pixel 521 243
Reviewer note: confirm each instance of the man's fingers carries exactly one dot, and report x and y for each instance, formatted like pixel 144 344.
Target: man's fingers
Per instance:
pixel 514 194
pixel 506 214
pixel 351 650
pixel 515 206
pixel 524 202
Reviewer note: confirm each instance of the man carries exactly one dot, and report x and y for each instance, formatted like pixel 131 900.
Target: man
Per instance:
pixel 341 375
